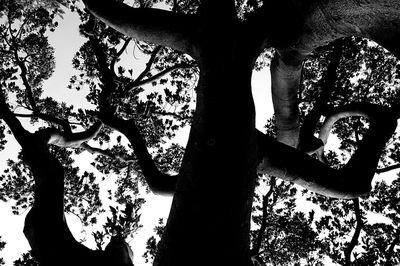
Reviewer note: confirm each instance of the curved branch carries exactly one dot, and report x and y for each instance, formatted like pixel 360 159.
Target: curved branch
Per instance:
pixel 152 25
pixel 158 182
pixel 337 115
pixel 354 179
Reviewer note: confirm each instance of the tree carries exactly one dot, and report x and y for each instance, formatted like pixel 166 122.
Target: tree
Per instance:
pixel 209 221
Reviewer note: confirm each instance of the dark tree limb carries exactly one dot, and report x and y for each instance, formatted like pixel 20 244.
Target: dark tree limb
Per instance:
pixel 260 236
pixel 354 239
pixel 158 182
pixel 387 169
pixel 354 179
pixel 106 153
pixel 45 227
pixel 140 82
pixel 153 25
pixel 120 52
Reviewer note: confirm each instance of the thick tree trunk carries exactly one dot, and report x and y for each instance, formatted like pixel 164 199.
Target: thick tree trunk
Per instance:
pixel 209 221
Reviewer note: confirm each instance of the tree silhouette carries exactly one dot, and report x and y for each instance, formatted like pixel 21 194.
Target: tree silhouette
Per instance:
pixel 213 47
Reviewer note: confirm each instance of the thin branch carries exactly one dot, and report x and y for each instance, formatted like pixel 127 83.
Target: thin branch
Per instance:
pixel 149 63
pixel 356 235
pixel 120 52
pixel 155 77
pixel 387 169
pixel 13 123
pixel 390 252
pixel 28 87
pixel 264 224
pixel 106 153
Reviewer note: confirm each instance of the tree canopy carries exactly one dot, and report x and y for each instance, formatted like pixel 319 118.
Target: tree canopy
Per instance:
pixel 240 196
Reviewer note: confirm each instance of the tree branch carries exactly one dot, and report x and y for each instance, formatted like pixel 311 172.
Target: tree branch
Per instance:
pixel 71 140
pixel 354 179
pixel 120 52
pixel 257 246
pixel 140 82
pixel 45 227
pixel 390 252
pixel 158 182
pixel 28 87
pixel 356 235
pixel 387 169
pixel 106 153
pixel 13 123
pixel 286 67
pixel 152 25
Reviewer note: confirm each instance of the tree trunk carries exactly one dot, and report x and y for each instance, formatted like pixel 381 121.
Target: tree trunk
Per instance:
pixel 209 221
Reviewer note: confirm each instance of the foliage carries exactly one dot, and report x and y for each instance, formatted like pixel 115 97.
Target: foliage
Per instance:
pixel 26 260
pixel 2 245
pixel 151 244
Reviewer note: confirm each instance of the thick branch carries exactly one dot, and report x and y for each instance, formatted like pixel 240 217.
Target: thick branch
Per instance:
pixel 158 182
pixel 354 179
pixel 153 25
pixel 45 227
pixel 311 24
pixel 356 235
pixel 286 67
